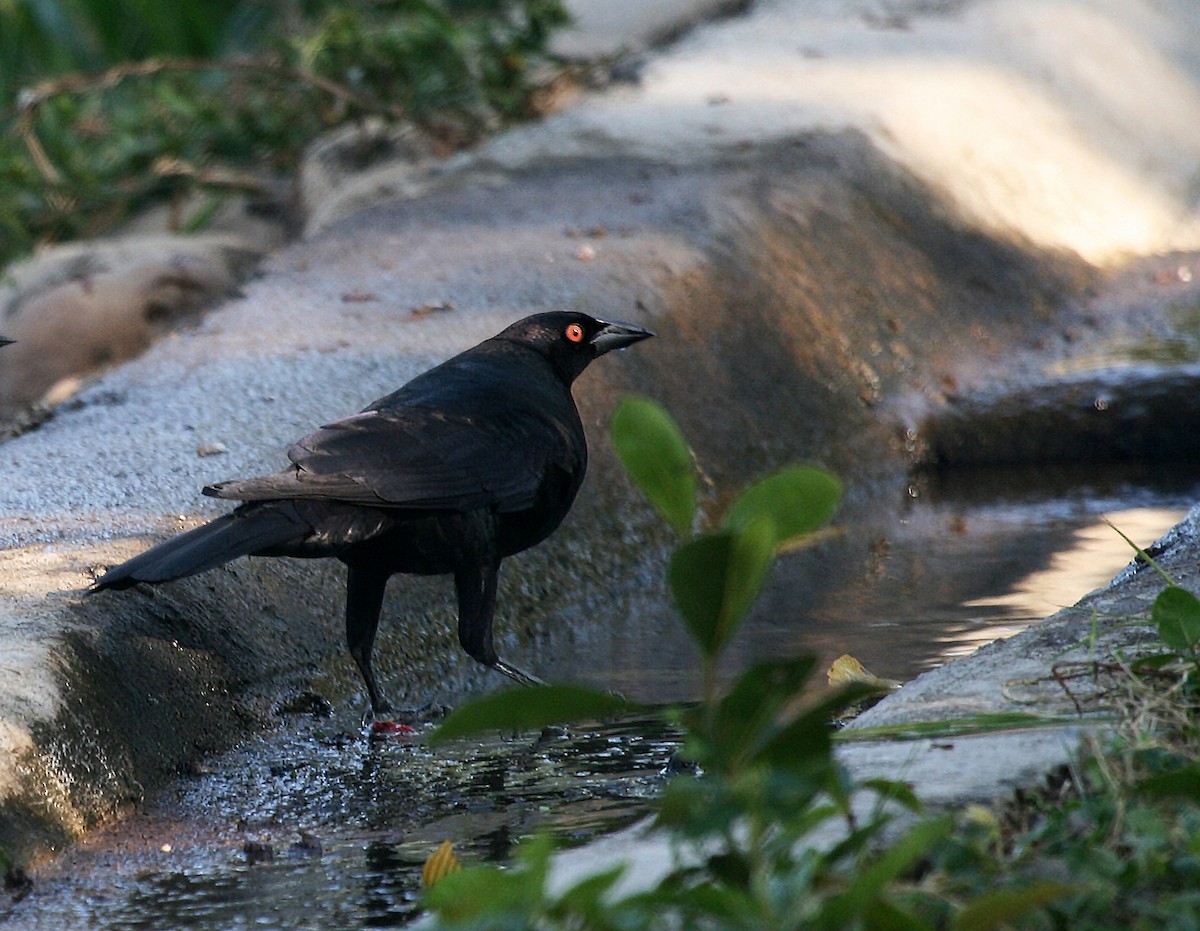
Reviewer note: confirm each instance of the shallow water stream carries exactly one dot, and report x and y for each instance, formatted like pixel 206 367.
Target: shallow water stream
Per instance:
pixel 312 826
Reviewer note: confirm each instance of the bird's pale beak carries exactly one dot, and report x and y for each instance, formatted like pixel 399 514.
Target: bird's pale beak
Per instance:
pixel 615 335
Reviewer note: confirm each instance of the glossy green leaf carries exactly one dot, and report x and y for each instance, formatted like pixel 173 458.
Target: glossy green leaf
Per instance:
pixel 657 457
pixel 797 501
pixel 1176 614
pixel 531 708
pixel 716 578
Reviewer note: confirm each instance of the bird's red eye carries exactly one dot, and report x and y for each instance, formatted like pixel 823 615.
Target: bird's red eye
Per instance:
pixel 574 333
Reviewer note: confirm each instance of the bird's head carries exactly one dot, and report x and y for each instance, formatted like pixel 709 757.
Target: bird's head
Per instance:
pixel 571 340
pixel 6 342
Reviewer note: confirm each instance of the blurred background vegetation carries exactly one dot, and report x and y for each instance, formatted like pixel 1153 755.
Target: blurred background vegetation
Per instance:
pixel 109 105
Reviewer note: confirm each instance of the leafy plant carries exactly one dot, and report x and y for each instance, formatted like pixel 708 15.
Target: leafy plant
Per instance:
pixel 100 119
pixel 766 832
pixel 1123 823
pixel 1176 615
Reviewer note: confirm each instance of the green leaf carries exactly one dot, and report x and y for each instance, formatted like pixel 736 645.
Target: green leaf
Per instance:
pixel 697 574
pixel 1180 783
pixel 749 713
pixel 588 896
pixel 870 882
pixel 723 906
pixel 474 891
pixel 1000 908
pixel 1176 613
pixel 804 742
pixel 529 708
pixel 881 915
pixel 656 456
pixel 893 790
pixel 797 501
pixel 716 578
pixel 809 734
pixel 1153 662
pixel 858 842
pixel 695 808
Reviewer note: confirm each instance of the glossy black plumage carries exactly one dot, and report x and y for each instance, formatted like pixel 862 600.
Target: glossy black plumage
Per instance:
pixel 475 460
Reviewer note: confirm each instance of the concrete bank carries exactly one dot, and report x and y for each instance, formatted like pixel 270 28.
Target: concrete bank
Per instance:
pixel 820 294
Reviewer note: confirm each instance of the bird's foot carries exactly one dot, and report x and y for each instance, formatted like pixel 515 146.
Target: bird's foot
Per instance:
pixel 388 730
pixel 384 723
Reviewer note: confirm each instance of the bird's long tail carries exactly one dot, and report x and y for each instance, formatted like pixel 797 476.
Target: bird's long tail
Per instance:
pixel 250 529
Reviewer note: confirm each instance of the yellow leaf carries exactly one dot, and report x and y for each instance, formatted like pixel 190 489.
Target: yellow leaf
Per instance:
pixel 978 814
pixel 846 670
pixel 441 863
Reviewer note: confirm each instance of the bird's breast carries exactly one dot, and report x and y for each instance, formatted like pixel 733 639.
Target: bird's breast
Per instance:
pixel 519 530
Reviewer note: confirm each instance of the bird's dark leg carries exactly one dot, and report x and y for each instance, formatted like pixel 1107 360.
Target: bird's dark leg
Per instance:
pixel 476 586
pixel 364 598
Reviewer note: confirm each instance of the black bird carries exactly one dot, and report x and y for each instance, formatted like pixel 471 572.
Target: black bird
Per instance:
pixel 6 342
pixel 477 459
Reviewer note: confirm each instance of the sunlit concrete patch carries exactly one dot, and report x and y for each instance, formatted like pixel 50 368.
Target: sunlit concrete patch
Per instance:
pixel 1075 125
pixel 1069 124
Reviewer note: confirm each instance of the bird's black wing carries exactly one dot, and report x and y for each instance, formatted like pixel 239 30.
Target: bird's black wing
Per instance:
pixel 419 457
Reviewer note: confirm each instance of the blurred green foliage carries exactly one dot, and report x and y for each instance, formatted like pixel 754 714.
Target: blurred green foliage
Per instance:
pixel 107 105
pixel 43 38
pixel 763 827
pixel 1113 842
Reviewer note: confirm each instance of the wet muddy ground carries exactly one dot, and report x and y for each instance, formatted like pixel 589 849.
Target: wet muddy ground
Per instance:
pixel 313 826
pixel 310 825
